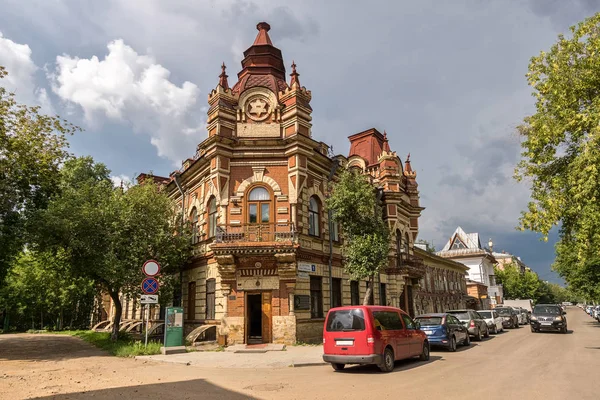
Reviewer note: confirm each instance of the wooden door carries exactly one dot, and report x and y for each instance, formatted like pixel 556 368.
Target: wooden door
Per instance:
pixel 266 317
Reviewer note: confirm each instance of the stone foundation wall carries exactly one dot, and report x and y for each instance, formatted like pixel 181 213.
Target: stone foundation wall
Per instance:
pixel 233 327
pixel 309 331
pixel 284 330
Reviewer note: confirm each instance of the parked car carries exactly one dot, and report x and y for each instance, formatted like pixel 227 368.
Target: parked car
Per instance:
pixel 371 335
pixel 475 324
pixel 444 330
pixel 526 315
pixel 548 317
pixel 522 317
pixel 509 316
pixel 493 320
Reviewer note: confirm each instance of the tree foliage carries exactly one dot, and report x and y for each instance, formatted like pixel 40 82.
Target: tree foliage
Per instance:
pixel 561 147
pixel 107 233
pixel 354 204
pixel 516 285
pixel 40 293
pixel 32 148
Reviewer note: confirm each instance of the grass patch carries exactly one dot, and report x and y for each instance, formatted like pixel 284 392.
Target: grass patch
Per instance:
pixel 124 347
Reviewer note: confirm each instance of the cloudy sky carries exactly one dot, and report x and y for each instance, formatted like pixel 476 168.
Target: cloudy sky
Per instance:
pixel 445 79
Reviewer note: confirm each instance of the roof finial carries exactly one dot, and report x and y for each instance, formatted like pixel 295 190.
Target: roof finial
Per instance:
pixel 408 169
pixel 294 75
pixel 408 158
pixel 386 144
pixel 223 78
pixel 263 37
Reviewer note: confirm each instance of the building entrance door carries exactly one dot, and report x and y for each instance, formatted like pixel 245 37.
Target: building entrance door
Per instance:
pixel 258 317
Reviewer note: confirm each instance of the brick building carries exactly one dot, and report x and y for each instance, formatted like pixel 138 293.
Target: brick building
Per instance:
pixel 254 192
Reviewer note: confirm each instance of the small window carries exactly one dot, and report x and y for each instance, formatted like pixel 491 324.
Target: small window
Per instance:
pixel 259 194
pixel 314 209
pixel 210 299
pixel 259 206
pixel 336 292
pixel 408 322
pixel 387 320
pixel 212 217
pixel 354 293
pixel 316 297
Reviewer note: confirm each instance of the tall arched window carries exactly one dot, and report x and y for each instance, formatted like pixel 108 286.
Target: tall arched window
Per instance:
pixel 406 243
pixel 212 217
pixel 259 206
pixel 194 220
pixel 314 210
pixel 399 248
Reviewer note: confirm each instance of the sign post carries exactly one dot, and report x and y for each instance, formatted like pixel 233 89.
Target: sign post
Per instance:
pixel 173 331
pixel 150 286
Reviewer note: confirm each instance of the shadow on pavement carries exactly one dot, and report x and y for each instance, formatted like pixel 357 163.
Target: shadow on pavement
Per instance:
pixel 403 365
pixel 45 347
pixel 193 389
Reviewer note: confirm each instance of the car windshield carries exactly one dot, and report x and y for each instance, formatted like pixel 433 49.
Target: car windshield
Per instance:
pixel 463 316
pixel 546 310
pixel 346 321
pixel 485 314
pixel 503 311
pixel 428 321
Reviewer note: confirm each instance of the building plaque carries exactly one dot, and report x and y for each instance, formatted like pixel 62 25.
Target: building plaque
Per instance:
pixel 301 302
pixel 258 130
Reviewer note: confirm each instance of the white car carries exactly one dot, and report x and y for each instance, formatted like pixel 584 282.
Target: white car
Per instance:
pixel 522 316
pixel 493 320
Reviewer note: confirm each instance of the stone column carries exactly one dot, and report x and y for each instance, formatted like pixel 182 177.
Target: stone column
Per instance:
pixel 291 288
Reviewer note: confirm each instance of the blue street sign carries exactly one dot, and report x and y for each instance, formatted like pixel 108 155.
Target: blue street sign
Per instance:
pixel 150 286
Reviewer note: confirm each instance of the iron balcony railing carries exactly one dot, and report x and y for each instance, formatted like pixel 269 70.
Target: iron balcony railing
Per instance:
pixel 239 233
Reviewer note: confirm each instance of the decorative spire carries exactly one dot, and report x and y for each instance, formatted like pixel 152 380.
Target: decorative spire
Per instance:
pixel 263 37
pixel 223 78
pixel 294 75
pixel 386 144
pixel 408 169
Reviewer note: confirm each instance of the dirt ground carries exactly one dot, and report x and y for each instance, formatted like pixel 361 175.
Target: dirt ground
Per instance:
pixel 517 364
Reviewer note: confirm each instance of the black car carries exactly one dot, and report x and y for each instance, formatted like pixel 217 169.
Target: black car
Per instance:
pixel 548 317
pixel 510 319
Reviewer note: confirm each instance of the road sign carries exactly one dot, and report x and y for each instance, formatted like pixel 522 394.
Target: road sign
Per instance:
pixel 303 275
pixel 306 267
pixel 151 268
pixel 149 299
pixel 150 286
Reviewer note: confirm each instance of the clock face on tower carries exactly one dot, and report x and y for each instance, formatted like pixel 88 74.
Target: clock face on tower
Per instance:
pixel 258 108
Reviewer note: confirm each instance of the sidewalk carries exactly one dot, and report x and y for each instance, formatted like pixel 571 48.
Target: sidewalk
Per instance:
pixel 292 356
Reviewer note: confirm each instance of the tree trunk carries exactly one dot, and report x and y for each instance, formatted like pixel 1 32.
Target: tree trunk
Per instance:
pixel 118 311
pixel 369 291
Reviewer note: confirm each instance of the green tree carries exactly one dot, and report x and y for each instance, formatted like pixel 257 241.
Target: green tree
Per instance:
pixel 561 147
pixel 107 233
pixel 32 148
pixel 354 205
pixel 517 285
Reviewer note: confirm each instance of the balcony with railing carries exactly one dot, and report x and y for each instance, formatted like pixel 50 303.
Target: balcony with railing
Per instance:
pixel 283 233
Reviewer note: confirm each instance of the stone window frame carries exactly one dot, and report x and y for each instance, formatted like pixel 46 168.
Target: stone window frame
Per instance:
pixel 314 216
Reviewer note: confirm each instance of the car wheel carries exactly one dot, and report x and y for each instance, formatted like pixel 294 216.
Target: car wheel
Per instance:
pixel 487 333
pixel 517 325
pixel 338 367
pixel 388 360
pixel 425 352
pixel 533 329
pixel 467 341
pixel 478 335
pixel 495 331
pixel 565 330
pixel 452 345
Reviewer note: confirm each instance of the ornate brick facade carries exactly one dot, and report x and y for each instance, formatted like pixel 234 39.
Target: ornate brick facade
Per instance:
pixel 255 192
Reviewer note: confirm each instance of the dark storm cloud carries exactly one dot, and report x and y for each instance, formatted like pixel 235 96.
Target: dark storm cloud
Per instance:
pixel 564 12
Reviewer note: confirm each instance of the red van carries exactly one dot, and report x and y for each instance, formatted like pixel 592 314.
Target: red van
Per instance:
pixel 371 335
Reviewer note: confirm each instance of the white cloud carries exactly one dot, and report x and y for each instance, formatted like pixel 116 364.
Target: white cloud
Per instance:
pixel 131 88
pixel 119 180
pixel 16 58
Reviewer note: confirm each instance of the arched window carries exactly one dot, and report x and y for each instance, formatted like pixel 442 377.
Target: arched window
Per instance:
pixel 406 243
pixel 314 209
pixel 194 220
pixel 212 217
pixel 399 248
pixel 259 206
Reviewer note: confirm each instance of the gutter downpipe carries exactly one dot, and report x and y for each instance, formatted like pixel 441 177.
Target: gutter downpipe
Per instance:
pixel 332 172
pixel 177 183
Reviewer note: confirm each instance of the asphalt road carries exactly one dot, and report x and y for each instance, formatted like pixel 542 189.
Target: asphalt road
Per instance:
pixel 515 365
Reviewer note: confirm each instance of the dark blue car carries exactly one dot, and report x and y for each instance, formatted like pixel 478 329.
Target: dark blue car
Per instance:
pixel 444 330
